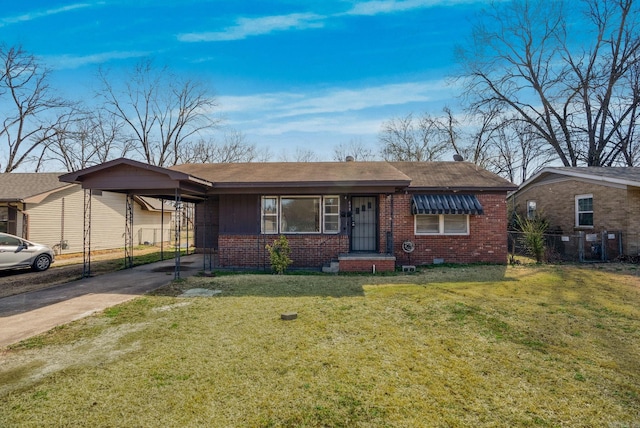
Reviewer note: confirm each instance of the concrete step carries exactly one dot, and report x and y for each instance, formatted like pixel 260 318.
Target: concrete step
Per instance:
pixel 331 267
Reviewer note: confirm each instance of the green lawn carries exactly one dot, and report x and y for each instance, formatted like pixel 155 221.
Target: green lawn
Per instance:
pixel 466 346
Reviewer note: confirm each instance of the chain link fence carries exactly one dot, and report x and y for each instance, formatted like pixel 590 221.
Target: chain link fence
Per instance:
pixel 586 247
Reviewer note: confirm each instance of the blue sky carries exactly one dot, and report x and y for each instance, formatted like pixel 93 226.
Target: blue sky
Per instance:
pixel 288 74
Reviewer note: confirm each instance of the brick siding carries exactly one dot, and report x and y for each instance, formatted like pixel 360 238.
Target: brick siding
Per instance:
pixel 614 209
pixel 486 242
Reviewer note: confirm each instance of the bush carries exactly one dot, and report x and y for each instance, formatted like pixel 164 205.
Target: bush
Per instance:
pixel 533 230
pixel 279 254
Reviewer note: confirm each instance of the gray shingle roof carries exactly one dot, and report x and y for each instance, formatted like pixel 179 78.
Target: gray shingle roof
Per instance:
pixel 17 186
pixel 616 175
pixel 418 175
pixel 451 175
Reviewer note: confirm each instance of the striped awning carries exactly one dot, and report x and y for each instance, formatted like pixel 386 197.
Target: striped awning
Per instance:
pixel 445 204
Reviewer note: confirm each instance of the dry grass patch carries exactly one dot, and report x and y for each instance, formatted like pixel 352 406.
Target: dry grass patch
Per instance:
pixel 472 346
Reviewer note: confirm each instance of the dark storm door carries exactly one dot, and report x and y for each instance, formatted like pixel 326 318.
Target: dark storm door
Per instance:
pixel 364 223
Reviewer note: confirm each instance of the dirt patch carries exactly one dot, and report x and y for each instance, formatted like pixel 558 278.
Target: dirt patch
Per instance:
pixel 67 267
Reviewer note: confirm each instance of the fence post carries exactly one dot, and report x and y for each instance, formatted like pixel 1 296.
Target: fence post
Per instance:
pixel 581 246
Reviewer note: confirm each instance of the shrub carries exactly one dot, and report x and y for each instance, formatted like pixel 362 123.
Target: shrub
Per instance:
pixel 279 254
pixel 533 230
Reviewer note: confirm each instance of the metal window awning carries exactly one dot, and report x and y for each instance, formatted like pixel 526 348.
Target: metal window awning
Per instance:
pixel 445 204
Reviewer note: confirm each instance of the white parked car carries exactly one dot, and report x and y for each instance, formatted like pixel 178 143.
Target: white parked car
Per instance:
pixel 16 253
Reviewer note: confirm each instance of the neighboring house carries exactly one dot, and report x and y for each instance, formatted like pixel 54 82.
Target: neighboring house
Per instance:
pixel 361 216
pixel 38 207
pixel 597 203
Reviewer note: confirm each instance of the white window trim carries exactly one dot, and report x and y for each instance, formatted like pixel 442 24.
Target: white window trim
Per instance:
pixel 262 231
pixel 324 214
pixel 577 210
pixel 279 214
pixel 441 231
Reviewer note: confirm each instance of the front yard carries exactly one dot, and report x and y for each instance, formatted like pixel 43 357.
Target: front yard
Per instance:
pixel 466 346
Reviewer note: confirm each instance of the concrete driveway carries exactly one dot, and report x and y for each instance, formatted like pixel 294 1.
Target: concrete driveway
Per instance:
pixel 29 314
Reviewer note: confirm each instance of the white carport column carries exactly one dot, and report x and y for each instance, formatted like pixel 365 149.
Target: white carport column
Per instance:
pixel 86 237
pixel 128 233
pixel 177 232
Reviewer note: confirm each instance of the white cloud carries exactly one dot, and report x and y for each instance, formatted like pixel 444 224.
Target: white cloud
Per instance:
pixel 246 27
pixel 70 62
pixel 336 113
pixel 377 7
pixel 335 100
pixel 41 14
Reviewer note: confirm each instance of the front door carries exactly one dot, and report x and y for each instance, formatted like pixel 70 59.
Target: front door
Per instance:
pixel 364 223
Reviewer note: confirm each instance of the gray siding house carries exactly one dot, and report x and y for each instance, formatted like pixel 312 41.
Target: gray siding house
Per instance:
pixel 38 207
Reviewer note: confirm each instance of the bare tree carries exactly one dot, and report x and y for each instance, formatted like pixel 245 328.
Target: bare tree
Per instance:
pixel 160 112
pixel 355 148
pixel 91 138
pixel 31 114
pixel 298 155
pixel 234 148
pixel 574 84
pixel 408 139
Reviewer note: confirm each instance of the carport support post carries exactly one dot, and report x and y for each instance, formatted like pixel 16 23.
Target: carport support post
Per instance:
pixel 86 237
pixel 128 233
pixel 176 236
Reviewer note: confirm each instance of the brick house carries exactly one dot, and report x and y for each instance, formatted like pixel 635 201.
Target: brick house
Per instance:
pixel 352 216
pixel 362 216
pixel 600 203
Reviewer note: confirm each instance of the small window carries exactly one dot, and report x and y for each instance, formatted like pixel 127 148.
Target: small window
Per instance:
pixel 269 214
pixel 331 214
pixel 4 219
pixel 427 224
pixel 531 209
pixel 584 211
pixel 442 224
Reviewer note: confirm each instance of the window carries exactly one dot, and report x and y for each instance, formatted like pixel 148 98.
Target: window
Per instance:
pixel 584 211
pixel 270 214
pixel 331 214
pixel 531 209
pixel 300 214
pixel 442 224
pixel 10 241
pixel 4 219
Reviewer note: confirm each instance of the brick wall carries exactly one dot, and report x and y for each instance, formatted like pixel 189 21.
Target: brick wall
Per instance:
pixel 486 242
pixel 248 251
pixel 614 208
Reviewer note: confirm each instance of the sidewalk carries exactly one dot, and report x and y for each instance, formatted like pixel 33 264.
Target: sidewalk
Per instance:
pixel 29 314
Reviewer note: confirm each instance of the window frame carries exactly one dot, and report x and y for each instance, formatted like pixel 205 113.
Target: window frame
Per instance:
pixel 330 215
pixel 263 215
pixel 300 197
pixel 322 214
pixel 441 230
pixel 531 213
pixel 578 198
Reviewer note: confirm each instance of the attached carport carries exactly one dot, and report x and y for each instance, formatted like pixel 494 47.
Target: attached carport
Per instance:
pixel 135 178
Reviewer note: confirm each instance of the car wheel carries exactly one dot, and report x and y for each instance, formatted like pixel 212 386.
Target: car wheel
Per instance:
pixel 42 262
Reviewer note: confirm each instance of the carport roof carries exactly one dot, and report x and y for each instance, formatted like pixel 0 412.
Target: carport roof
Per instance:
pixel 132 177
